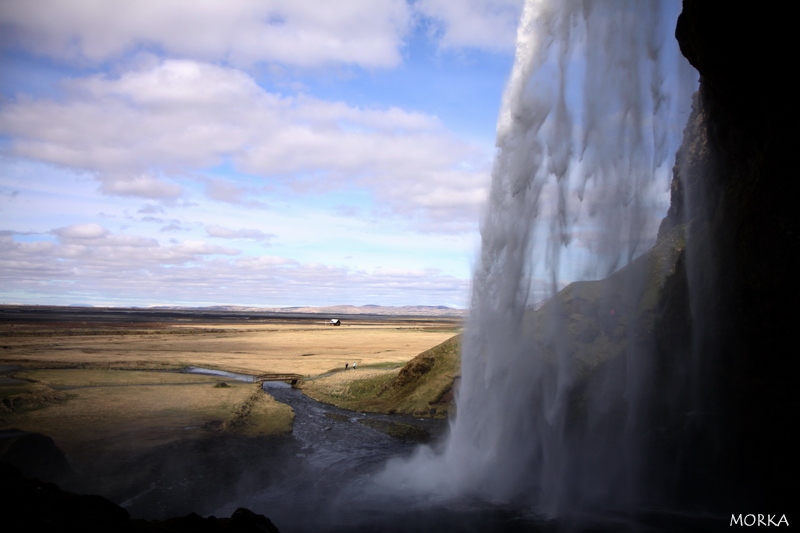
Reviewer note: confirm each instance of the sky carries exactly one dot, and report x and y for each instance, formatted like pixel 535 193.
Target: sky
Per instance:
pixel 249 152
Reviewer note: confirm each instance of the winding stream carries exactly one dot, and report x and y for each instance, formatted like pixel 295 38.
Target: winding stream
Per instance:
pixel 329 475
pixel 326 484
pixel 334 479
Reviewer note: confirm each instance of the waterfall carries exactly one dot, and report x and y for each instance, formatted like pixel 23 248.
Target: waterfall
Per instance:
pixel 552 409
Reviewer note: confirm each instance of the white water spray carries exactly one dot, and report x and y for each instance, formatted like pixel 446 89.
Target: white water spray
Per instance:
pixel 596 101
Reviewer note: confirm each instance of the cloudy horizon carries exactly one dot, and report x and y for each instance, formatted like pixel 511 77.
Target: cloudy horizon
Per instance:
pixel 253 152
pixel 249 152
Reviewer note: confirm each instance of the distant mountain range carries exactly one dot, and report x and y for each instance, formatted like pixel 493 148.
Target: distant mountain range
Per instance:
pixel 332 310
pixel 406 310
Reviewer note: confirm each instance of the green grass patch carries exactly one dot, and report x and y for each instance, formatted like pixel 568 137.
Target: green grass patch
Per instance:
pixel 365 390
pixel 422 387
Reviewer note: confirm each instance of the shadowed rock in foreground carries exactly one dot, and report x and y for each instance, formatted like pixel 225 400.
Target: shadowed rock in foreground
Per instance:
pixel 28 504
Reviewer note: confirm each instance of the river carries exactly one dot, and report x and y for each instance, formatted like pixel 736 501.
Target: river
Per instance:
pixel 328 483
pixel 329 476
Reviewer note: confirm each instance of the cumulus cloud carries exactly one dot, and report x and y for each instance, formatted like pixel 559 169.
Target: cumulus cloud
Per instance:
pixel 443 202
pixel 483 24
pixel 225 191
pixel 92 243
pixel 228 192
pixel 138 130
pixel 222 232
pixel 81 232
pixel 193 248
pixel 305 33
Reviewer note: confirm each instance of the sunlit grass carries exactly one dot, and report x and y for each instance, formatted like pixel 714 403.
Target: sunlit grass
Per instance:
pixel 120 408
pixel 116 388
pixel 308 350
pixel 66 378
pixel 418 388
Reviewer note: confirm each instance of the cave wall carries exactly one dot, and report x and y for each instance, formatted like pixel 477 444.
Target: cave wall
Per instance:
pixel 737 192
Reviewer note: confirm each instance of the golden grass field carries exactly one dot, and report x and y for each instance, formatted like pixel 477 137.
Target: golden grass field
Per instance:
pixel 106 385
pixel 307 349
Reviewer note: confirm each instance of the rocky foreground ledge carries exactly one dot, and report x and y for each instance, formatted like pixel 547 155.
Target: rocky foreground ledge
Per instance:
pixel 29 504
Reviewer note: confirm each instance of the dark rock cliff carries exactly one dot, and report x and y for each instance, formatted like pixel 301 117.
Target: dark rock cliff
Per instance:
pixel 730 310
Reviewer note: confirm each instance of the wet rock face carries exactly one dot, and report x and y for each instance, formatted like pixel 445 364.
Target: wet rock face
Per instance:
pixel 747 231
pixel 748 98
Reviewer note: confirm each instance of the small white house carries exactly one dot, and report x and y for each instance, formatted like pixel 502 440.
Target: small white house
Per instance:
pixel 335 322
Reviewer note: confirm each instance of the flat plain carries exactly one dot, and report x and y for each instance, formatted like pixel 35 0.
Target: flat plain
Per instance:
pixel 306 346
pixel 108 378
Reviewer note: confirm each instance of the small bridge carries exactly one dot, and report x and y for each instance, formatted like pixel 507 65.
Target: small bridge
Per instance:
pixel 289 378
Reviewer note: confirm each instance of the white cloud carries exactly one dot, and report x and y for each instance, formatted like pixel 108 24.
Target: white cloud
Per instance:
pixel 141 186
pixel 484 24
pixel 172 115
pixel 92 243
pixel 242 32
pixel 222 232
pixel 225 191
pixel 137 131
pixel 150 209
pixel 173 226
pixel 81 232
pixel 194 248
pixel 126 269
